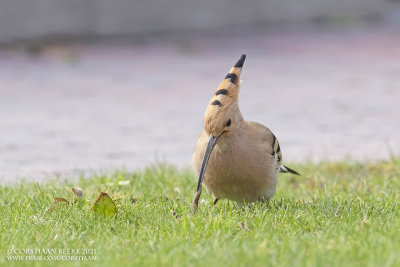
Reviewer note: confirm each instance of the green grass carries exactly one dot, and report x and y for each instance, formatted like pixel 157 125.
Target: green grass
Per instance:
pixel 336 214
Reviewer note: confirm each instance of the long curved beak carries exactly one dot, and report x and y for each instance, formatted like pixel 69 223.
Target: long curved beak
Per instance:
pixel 211 143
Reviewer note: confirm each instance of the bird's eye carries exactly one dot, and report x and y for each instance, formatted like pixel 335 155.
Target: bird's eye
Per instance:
pixel 228 123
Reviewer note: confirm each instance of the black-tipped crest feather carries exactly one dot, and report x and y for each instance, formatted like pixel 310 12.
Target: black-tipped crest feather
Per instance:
pixel 231 76
pixel 240 62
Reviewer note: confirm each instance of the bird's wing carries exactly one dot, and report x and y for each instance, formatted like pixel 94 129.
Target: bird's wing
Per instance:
pixel 269 140
pixel 271 145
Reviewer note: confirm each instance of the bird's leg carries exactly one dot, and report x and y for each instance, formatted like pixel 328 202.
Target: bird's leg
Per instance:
pixel 215 201
pixel 196 198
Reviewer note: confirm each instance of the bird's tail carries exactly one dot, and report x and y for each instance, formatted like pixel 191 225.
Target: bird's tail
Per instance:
pixel 284 168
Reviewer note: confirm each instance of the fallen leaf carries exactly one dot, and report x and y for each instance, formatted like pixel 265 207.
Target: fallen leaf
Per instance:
pixel 104 205
pixel 78 193
pixel 244 226
pixel 133 200
pixel 60 199
pixel 56 201
pixel 177 190
pixel 126 182
pixel 173 213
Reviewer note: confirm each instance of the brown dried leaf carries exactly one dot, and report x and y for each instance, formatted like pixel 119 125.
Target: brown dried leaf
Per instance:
pixel 173 213
pixel 78 193
pixel 56 201
pixel 133 200
pixel 60 199
pixel 244 226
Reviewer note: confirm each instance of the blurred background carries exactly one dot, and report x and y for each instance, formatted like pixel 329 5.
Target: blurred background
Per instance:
pixel 96 85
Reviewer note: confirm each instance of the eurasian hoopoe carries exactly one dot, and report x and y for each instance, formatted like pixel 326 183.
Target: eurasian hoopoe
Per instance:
pixel 235 159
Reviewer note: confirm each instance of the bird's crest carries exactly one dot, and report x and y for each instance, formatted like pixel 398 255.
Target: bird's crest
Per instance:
pixel 223 107
pixel 228 90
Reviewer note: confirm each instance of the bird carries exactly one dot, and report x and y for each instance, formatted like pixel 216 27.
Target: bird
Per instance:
pixel 235 159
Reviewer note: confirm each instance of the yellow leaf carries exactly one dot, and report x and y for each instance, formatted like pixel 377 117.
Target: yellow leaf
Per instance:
pixel 104 205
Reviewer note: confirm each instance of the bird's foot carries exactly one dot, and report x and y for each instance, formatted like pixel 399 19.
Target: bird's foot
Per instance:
pixel 215 201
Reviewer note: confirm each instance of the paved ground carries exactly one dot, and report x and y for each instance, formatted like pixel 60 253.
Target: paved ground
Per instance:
pixel 91 107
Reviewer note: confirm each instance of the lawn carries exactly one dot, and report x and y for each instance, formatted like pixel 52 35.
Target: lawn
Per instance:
pixel 335 214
